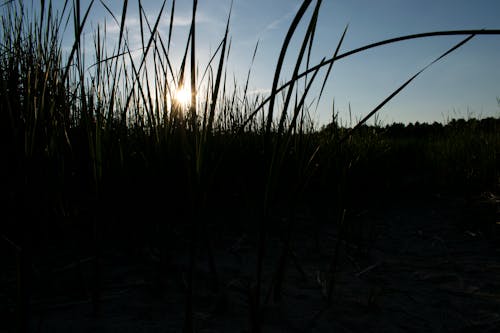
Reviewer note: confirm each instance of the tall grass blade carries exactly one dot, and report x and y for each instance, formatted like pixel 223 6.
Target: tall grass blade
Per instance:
pixel 396 40
pixel 209 64
pixel 271 97
pixel 309 36
pixel 119 54
pixel 184 60
pixel 397 91
pixel 247 81
pixel 256 323
pixel 215 93
pixel 170 26
pixel 143 60
pixel 193 66
pixel 196 199
pixel 328 71
pixel 79 25
pixel 281 59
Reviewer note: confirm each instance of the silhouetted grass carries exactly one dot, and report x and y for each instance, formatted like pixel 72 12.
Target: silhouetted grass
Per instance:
pixel 102 155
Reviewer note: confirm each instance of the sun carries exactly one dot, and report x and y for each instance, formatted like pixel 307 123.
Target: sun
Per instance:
pixel 182 96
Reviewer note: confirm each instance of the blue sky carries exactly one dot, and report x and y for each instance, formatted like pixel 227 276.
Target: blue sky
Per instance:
pixel 466 83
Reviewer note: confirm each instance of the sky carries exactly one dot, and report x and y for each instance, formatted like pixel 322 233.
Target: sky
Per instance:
pixel 464 84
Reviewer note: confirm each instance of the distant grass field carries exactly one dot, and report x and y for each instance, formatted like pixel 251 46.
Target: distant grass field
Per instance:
pixel 113 158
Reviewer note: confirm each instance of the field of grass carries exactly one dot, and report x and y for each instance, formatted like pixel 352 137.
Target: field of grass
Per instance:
pixel 111 161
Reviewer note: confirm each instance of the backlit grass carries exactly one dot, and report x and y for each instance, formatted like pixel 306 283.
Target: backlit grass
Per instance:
pixel 123 152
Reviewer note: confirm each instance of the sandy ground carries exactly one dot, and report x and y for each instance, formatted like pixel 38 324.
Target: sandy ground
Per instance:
pixel 415 265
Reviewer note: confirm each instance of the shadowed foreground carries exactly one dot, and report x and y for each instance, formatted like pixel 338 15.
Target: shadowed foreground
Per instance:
pixel 414 269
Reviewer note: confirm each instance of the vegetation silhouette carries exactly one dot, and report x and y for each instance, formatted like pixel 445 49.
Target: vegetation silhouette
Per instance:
pixel 98 160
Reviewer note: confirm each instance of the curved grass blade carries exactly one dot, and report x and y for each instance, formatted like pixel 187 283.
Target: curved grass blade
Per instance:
pixel 307 40
pixel 397 91
pixel 286 43
pixel 364 48
pixel 209 64
pixel 331 65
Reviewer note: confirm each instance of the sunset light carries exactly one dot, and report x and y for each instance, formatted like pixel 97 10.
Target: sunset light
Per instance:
pixel 182 95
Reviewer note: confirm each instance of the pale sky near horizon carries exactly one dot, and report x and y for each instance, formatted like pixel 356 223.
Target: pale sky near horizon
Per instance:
pixel 465 83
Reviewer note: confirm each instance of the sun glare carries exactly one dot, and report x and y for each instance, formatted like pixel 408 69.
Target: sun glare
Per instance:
pixel 183 96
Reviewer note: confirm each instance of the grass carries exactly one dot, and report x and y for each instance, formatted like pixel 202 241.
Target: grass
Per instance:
pixel 113 154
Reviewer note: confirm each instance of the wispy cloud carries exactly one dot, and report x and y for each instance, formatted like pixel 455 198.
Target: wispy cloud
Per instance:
pixel 133 25
pixel 277 23
pixel 259 91
pixel 185 20
pixel 132 21
pixel 265 27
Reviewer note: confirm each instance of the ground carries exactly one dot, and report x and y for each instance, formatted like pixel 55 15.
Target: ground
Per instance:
pixel 416 263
